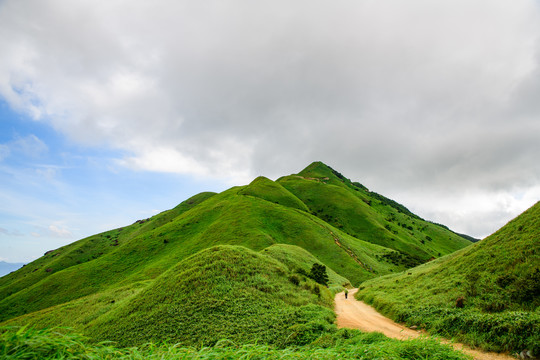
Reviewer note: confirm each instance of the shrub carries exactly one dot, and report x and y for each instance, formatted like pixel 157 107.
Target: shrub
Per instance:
pixel 318 273
pixel 294 279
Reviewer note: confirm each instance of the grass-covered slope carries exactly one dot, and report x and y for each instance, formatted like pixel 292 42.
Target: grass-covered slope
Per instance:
pixel 129 255
pixel 226 218
pixel 222 292
pixel 89 265
pixel 340 223
pixel 497 281
pixel 26 344
pixel 301 261
pixel 89 249
pixel 371 217
pixel 269 190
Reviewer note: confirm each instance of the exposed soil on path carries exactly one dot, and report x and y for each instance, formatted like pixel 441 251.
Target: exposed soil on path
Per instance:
pixel 355 314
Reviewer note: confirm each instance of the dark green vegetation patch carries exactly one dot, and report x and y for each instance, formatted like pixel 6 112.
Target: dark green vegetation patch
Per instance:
pixel 487 294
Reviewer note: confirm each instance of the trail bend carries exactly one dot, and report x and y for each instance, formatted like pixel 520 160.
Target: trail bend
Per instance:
pixel 355 314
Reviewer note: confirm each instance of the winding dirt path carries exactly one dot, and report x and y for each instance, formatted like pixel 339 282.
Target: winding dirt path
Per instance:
pixel 355 314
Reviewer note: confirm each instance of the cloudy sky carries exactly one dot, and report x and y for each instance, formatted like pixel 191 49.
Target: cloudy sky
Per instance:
pixel 111 111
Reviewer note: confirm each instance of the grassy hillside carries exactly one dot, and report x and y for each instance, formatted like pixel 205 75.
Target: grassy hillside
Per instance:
pixel 269 190
pixel 344 344
pixel 366 215
pixel 221 292
pixel 227 218
pixel 300 261
pixel 89 249
pixel 96 284
pixel 88 266
pixel 497 279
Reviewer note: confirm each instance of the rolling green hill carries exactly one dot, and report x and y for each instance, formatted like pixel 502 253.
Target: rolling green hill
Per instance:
pixel 497 281
pixel 366 215
pixel 96 284
pixel 221 292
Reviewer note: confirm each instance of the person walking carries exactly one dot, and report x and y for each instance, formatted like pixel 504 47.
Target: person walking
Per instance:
pixel 346 293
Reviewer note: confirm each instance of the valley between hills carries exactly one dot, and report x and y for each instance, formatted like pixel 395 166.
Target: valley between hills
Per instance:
pixel 231 275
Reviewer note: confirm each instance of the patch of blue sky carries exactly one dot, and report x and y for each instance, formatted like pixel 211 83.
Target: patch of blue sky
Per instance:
pixel 54 191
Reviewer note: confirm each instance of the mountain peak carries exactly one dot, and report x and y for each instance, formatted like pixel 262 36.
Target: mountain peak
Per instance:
pixel 317 169
pixel 315 165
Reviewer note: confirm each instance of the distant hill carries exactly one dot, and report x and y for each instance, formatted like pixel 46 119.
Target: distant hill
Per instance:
pixel 470 238
pixel 97 283
pixel 352 208
pixel 6 268
pixel 487 294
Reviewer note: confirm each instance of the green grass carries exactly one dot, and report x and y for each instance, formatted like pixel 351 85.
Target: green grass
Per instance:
pixel 371 217
pixel 498 279
pixel 79 262
pixel 222 292
pixel 100 285
pixel 30 344
pixel 226 218
pixel 300 261
pixel 269 190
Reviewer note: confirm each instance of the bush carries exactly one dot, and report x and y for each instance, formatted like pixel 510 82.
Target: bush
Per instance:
pixel 318 273
pixel 294 279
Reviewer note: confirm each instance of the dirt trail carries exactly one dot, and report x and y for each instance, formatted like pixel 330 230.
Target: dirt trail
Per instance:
pixel 355 314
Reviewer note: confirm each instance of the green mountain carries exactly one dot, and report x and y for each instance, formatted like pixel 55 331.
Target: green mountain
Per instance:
pixel 123 280
pixel 487 294
pixel 352 208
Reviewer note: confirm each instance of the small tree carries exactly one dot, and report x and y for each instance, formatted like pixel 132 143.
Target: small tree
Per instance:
pixel 318 273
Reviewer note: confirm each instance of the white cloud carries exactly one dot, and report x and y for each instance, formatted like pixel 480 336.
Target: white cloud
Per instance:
pixel 52 231
pixel 4 151
pixel 59 232
pixel 29 146
pixel 430 95
pixel 47 172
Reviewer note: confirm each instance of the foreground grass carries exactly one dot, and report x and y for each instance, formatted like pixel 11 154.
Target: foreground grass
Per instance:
pixel 23 343
pixel 496 280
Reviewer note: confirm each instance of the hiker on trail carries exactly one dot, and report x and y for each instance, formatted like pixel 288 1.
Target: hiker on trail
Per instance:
pixel 346 293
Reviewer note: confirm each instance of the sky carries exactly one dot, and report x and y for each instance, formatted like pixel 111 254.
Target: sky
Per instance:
pixel 112 111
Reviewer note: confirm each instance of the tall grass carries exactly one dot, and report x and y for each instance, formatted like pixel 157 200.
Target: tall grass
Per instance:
pixel 30 344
